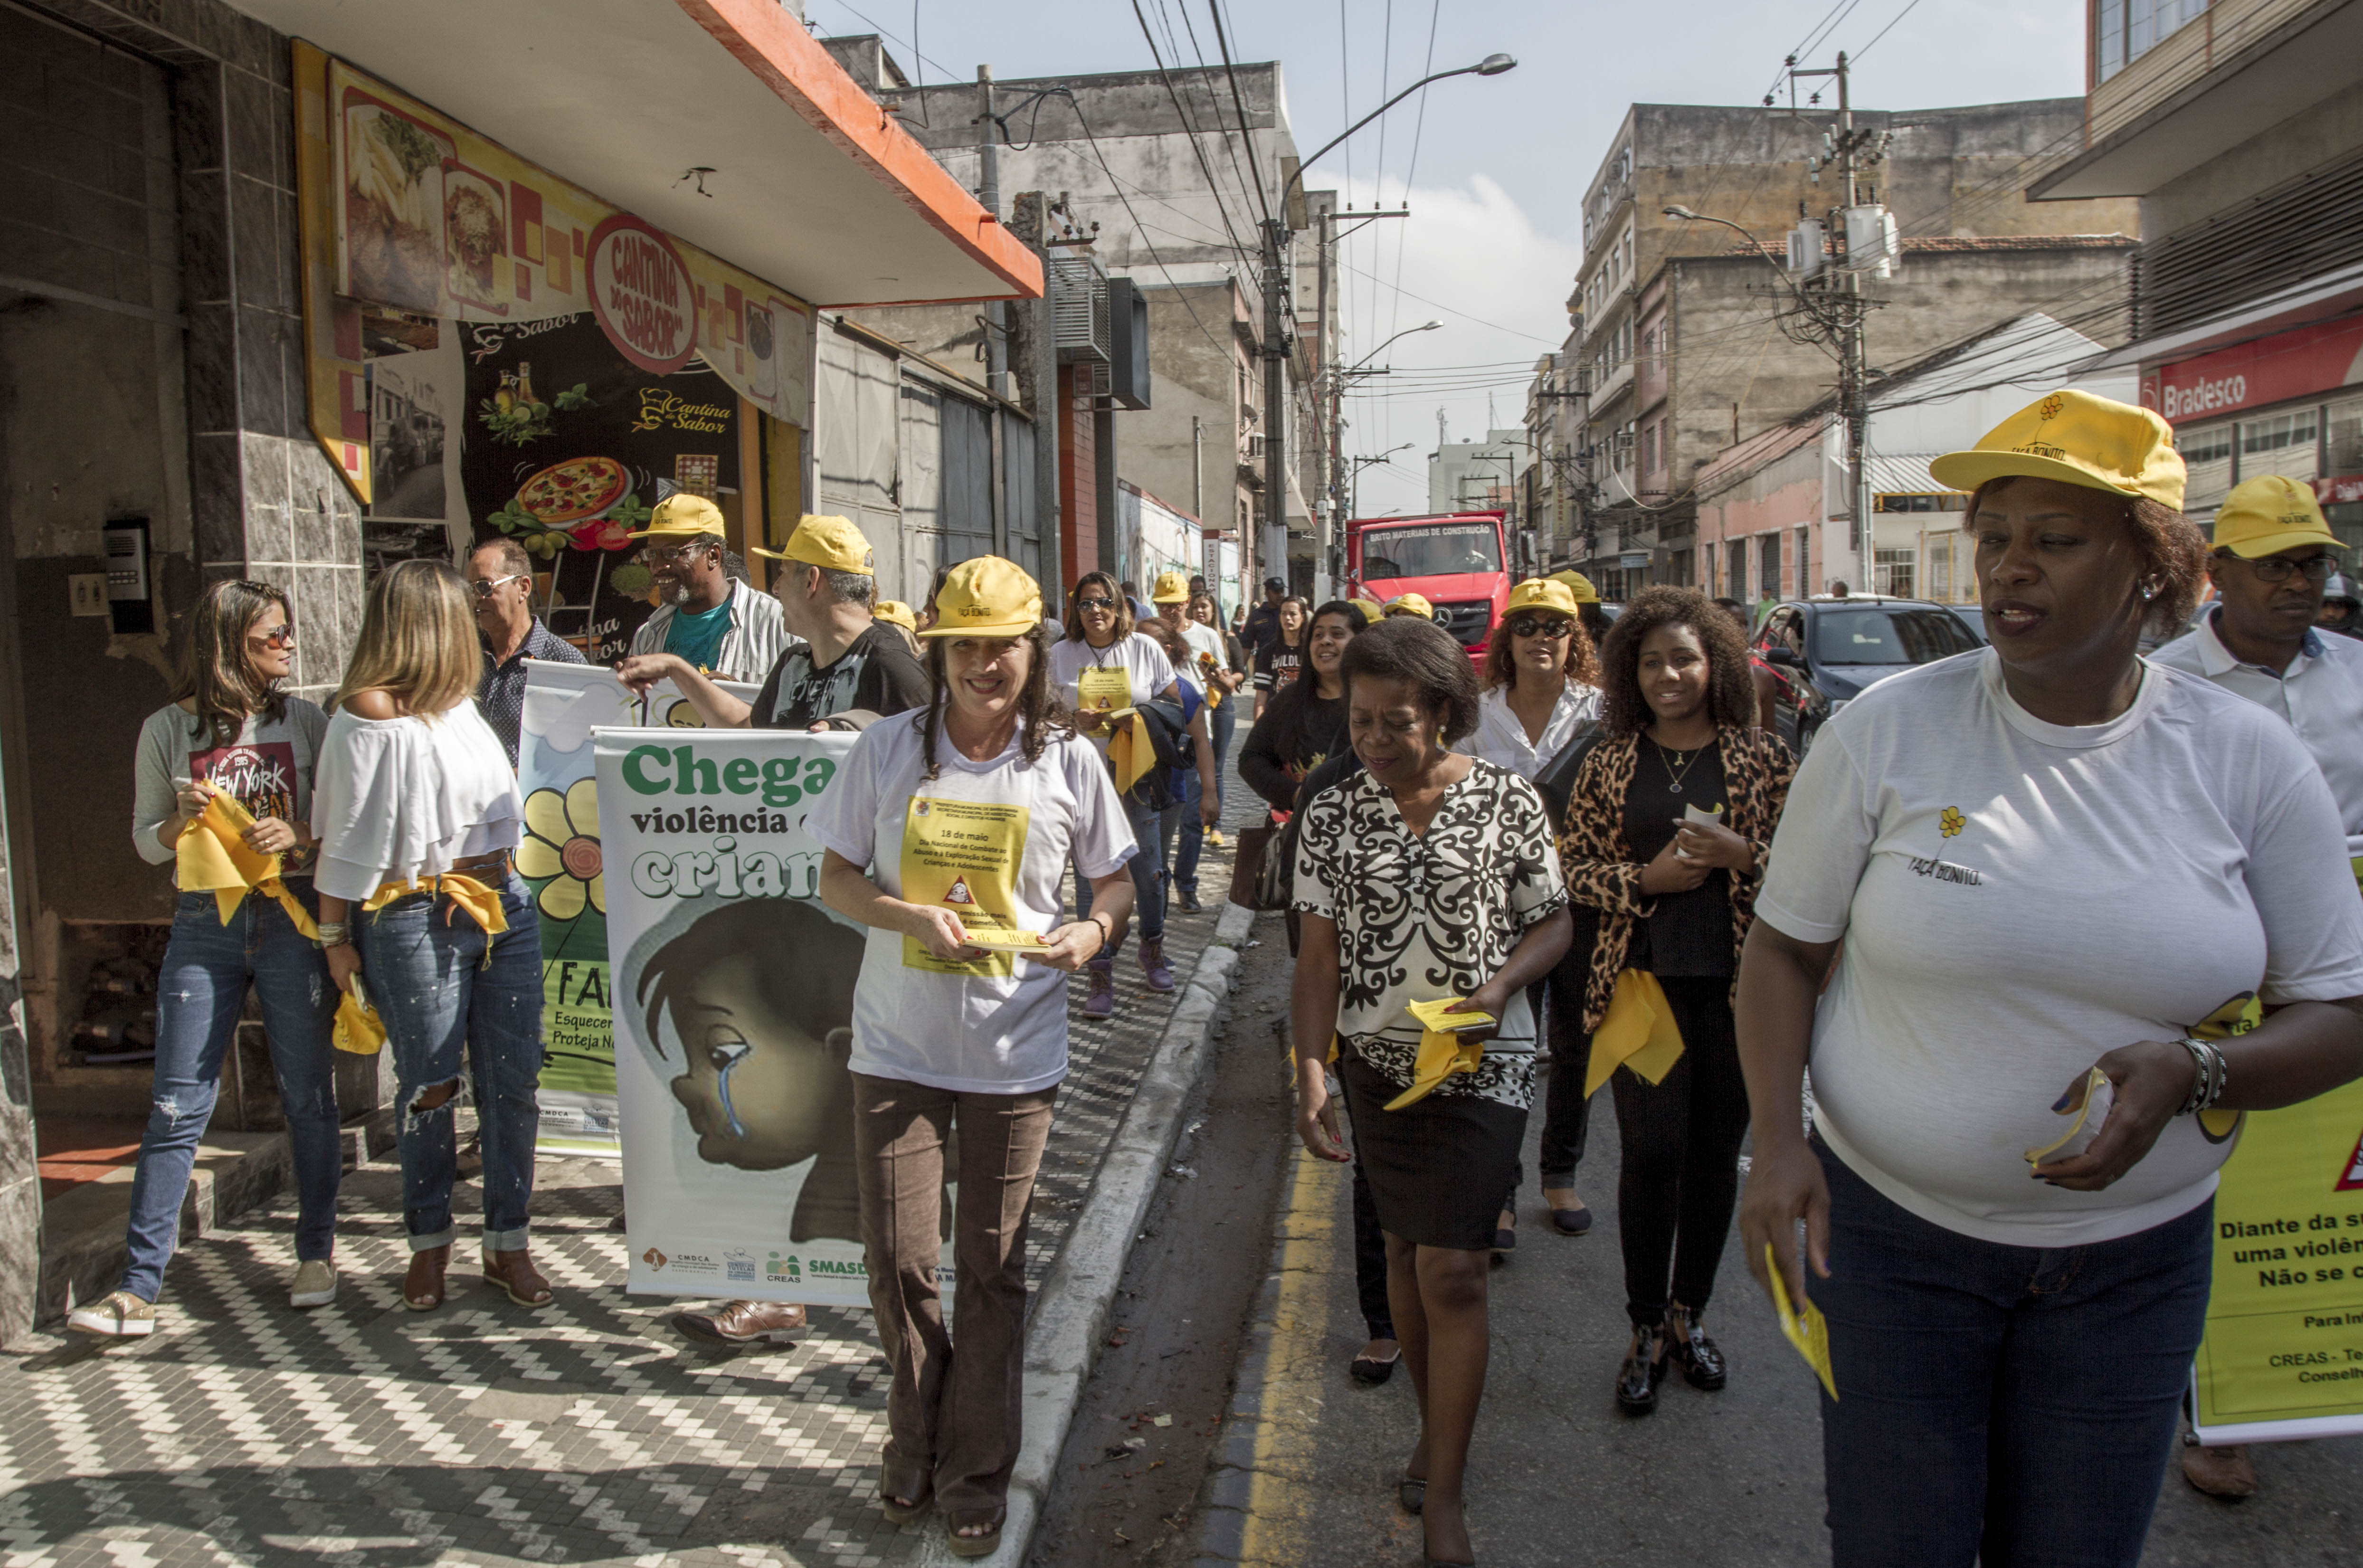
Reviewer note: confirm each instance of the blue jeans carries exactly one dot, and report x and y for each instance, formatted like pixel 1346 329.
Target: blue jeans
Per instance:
pixel 2029 1394
pixel 428 974
pixel 1147 884
pixel 1220 722
pixel 200 993
pixel 1181 820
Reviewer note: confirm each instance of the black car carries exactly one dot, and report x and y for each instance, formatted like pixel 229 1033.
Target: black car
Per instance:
pixel 1825 652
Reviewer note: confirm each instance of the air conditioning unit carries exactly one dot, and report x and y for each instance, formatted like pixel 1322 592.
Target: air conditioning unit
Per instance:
pixel 1080 319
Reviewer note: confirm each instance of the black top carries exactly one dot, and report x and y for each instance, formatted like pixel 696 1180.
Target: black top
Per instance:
pixel 1276 664
pixel 500 692
pixel 1262 624
pixel 875 672
pixel 1686 934
pixel 1297 732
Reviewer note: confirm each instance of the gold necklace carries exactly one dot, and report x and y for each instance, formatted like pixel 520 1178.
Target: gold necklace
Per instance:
pixel 1674 777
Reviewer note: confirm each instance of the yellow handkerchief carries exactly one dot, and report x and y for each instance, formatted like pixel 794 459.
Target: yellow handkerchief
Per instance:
pixel 213 856
pixel 1130 754
pixel 1809 1330
pixel 358 1029
pixel 1442 1051
pixel 1638 1032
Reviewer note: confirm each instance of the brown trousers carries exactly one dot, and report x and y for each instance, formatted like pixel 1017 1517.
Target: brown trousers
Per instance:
pixel 954 1417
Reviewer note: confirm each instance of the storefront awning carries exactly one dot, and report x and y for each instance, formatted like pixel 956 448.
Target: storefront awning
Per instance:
pixel 722 121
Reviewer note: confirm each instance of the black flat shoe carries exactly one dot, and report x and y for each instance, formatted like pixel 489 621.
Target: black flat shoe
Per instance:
pixel 1505 1242
pixel 1570 1221
pixel 1411 1493
pixel 1702 1362
pixel 1643 1369
pixel 1371 1370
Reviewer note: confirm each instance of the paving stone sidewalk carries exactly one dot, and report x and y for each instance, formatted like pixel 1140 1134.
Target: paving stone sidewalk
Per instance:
pixel 363 1435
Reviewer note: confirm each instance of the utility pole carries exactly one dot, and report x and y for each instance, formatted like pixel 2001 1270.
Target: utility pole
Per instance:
pixel 1029 220
pixel 996 317
pixel 1275 380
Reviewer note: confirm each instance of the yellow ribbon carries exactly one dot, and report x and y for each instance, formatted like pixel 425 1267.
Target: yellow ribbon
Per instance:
pixel 213 856
pixel 358 1029
pixel 1639 1032
pixel 1442 1051
pixel 483 904
pixel 1130 752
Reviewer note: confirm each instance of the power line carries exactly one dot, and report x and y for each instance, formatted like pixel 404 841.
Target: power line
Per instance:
pixel 1439 305
pixel 1909 7
pixel 1238 100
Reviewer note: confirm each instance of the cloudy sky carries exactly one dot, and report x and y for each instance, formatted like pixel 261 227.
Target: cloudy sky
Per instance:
pixel 1495 168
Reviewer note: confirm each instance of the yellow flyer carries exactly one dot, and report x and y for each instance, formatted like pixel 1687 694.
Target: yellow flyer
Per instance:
pixel 1104 688
pixel 2283 1355
pixel 964 855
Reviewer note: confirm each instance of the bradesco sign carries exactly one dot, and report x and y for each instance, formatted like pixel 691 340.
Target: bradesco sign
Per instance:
pixel 2322 357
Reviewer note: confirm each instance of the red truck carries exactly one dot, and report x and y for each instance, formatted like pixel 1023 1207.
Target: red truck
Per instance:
pixel 1457 562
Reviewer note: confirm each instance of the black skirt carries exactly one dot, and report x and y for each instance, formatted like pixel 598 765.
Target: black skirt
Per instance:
pixel 1439 1167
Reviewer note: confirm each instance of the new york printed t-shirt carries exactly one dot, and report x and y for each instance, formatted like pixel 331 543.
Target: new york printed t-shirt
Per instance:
pixel 969 1033
pixel 2018 898
pixel 1146 670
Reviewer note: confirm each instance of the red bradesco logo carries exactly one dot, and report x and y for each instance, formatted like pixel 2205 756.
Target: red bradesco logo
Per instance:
pixel 642 294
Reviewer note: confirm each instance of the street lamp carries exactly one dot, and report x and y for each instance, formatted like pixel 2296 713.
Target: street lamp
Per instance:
pixel 1374 353
pixel 1354 486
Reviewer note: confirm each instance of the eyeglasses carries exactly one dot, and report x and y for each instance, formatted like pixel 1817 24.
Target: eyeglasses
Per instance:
pixel 665 555
pixel 280 636
pixel 2277 568
pixel 485 588
pixel 1095 602
pixel 1527 626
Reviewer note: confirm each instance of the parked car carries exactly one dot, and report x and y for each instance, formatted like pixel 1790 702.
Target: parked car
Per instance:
pixel 1825 651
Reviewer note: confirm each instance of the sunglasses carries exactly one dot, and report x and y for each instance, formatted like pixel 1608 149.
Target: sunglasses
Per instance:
pixel 1095 602
pixel 487 588
pixel 281 636
pixel 1527 626
pixel 2277 568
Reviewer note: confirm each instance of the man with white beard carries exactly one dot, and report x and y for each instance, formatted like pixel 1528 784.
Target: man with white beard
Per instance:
pixel 723 628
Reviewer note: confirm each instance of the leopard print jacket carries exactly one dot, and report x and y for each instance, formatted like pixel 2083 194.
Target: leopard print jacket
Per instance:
pixel 1598 864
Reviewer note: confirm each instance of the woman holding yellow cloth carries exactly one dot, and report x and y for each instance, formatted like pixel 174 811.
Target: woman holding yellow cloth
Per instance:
pixel 1429 876
pixel 1666 830
pixel 231 732
pixel 418 816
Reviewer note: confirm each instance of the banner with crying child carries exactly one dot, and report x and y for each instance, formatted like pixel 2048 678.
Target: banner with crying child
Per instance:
pixel 733 997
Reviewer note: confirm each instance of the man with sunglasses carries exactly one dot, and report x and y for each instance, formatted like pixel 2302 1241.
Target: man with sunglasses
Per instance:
pixel 2271 565
pixel 500 574
pixel 720 627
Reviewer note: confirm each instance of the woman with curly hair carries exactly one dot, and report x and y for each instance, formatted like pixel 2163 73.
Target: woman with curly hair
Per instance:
pixel 1542 692
pixel 2053 864
pixel 1667 832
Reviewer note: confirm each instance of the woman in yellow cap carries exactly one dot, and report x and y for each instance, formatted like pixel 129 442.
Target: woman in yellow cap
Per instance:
pixel 966 815
pixel 2045 858
pixel 1542 694
pixel 1665 831
pixel 231 731
pixel 1427 877
pixel 418 816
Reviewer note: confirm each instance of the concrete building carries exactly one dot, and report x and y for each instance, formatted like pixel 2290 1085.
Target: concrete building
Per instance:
pixel 1675 349
pixel 1478 476
pixel 2238 128
pixel 1779 500
pixel 186 350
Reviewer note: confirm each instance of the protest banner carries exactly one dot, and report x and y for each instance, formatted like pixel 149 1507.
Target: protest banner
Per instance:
pixel 2283 1354
pixel 733 994
pixel 561 862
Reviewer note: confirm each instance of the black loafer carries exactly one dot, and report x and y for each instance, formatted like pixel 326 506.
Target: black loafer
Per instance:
pixel 1701 1361
pixel 1505 1242
pixel 1643 1369
pixel 1371 1370
pixel 1570 1221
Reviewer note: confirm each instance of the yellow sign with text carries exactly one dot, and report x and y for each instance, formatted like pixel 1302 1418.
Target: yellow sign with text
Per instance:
pixel 2284 1338
pixel 1104 688
pixel 963 855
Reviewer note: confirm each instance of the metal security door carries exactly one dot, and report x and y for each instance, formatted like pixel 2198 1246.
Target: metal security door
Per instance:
pixel 856 435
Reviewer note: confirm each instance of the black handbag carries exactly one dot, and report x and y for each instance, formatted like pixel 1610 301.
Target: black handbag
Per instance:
pixel 1556 782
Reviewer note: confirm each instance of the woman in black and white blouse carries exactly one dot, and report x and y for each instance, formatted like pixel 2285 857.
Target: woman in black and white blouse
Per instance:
pixel 1429 875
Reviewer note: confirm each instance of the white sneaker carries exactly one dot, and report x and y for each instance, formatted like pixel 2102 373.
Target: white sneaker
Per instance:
pixel 315 1283
pixel 122 1316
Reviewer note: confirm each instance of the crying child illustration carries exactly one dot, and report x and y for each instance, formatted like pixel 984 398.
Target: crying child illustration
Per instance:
pixel 759 994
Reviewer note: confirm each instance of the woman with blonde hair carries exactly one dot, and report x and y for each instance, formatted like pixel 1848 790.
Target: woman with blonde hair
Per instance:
pixel 419 816
pixel 230 731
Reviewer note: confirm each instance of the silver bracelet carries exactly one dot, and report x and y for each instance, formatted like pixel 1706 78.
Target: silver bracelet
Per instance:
pixel 2209 1073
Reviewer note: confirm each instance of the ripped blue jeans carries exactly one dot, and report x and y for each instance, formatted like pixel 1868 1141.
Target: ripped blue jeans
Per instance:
pixel 424 964
pixel 200 992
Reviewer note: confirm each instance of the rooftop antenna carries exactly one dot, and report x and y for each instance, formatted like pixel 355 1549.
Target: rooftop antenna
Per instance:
pixel 1441 437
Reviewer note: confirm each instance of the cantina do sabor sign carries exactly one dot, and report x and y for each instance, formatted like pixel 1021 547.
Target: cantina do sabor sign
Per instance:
pixel 642 292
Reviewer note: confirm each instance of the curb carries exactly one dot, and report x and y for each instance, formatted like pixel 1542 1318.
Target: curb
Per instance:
pixel 1071 1312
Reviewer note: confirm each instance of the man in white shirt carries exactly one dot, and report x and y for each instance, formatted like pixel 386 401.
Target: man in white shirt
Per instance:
pixel 2272 557
pixel 2271 562
pixel 725 630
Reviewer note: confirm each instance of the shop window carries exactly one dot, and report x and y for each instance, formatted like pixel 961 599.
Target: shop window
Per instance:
pixel 1937 553
pixel 1890 573
pixel 2280 443
pixel 2207 453
pixel 2343 426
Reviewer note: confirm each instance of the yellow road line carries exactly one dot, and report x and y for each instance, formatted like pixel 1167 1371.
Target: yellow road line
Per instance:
pixel 1278 1524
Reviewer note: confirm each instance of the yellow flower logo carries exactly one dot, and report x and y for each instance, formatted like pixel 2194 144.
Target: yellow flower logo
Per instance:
pixel 562 843
pixel 1952 821
pixel 2051 407
pixel 683 714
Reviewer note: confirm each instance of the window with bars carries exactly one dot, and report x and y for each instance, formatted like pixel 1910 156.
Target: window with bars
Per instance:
pixel 1891 572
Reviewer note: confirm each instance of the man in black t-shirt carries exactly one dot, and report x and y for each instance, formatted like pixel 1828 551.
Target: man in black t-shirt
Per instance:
pixel 846 673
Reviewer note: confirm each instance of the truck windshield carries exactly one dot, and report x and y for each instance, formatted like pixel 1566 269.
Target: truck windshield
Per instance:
pixel 1435 549
pixel 1914 636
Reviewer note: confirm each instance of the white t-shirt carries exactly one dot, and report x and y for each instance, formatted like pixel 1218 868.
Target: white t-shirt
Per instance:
pixel 1143 662
pixel 1204 639
pixel 974 1034
pixel 2018 898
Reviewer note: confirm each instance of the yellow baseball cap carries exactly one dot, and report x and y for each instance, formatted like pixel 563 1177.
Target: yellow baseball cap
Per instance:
pixel 1541 594
pixel 1172 588
pixel 830 542
pixel 1577 584
pixel 2269 514
pixel 1410 605
pixel 987 596
pixel 683 516
pixel 2076 438
pixel 897 612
